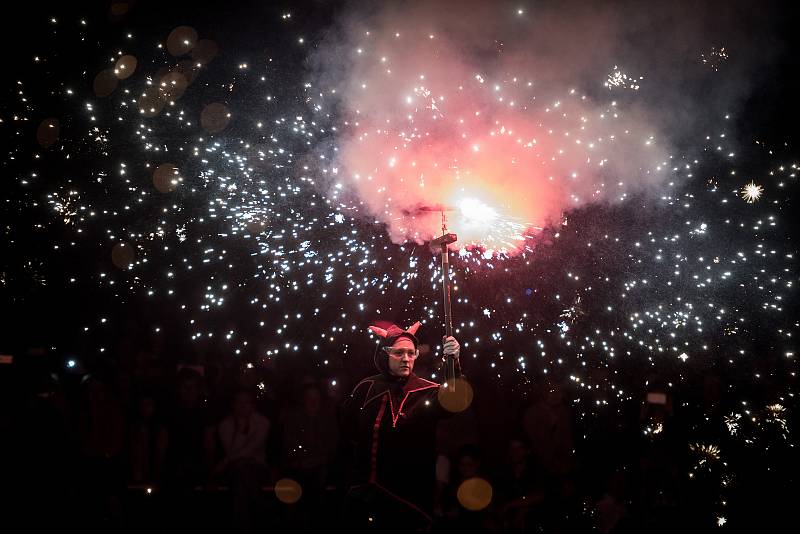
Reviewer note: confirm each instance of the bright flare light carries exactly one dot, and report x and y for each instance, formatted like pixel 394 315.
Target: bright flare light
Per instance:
pixel 751 192
pixel 481 226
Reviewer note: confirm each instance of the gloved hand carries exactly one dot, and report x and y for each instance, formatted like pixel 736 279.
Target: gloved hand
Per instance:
pixel 451 347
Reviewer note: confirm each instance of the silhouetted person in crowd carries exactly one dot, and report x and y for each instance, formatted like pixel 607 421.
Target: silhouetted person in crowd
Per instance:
pixel 187 448
pixel 145 433
pixel 611 509
pixel 102 438
pixel 519 488
pixel 548 426
pixel 40 459
pixel 459 498
pixel 243 435
pixel 309 440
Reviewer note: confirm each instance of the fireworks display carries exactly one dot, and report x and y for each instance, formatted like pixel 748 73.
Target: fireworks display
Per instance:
pixel 228 195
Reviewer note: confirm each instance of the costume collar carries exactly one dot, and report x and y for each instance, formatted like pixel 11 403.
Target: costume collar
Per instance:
pixel 382 385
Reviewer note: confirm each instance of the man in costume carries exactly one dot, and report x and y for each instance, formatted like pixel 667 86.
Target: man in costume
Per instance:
pixel 389 432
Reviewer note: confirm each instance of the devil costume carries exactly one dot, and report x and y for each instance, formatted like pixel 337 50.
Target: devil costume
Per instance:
pixel 389 427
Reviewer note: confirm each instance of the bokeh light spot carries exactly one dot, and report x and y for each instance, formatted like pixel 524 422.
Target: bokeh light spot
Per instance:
pixel 456 396
pixel 166 177
pixel 181 40
pixel 122 255
pixel 215 117
pixel 475 494
pixel 173 85
pixel 204 51
pixel 288 491
pixel 125 66
pixel 105 83
pixel 48 132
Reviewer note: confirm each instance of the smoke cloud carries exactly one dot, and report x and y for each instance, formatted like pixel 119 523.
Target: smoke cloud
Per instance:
pixel 512 114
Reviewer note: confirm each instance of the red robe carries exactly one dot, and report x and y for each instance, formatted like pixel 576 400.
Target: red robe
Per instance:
pixel 389 426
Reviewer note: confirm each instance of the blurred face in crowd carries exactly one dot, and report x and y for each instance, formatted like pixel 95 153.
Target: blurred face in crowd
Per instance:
pixel 468 467
pixel 243 406
pixel 402 356
pixel 190 393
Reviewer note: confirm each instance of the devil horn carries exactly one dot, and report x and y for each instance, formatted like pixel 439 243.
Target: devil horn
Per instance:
pixel 413 328
pixel 378 330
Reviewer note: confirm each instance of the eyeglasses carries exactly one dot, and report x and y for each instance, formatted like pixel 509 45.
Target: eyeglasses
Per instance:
pixel 399 353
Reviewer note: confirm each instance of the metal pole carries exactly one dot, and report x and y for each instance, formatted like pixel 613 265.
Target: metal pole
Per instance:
pixel 450 372
pixel 443 241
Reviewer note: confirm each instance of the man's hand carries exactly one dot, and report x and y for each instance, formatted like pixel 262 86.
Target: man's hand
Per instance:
pixel 451 347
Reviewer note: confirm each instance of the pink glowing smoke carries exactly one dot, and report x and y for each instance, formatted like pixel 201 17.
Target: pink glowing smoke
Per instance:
pixel 497 112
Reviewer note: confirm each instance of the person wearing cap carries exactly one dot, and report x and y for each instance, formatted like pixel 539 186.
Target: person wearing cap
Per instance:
pixel 388 429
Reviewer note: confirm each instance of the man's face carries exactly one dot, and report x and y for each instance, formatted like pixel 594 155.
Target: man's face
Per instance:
pixel 401 357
